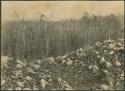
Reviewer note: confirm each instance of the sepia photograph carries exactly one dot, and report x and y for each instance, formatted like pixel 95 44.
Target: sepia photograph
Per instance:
pixel 62 45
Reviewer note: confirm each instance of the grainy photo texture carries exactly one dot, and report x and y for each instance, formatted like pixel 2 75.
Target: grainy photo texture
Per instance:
pixel 62 45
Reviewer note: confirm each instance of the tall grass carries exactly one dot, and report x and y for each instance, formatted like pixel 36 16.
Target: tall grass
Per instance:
pixel 40 39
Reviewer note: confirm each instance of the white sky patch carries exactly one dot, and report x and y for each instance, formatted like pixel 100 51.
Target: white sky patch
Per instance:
pixel 58 10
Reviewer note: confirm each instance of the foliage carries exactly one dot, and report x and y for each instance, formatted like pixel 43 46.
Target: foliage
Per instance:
pixel 44 38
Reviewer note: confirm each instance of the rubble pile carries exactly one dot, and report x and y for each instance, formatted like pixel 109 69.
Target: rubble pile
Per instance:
pixel 97 67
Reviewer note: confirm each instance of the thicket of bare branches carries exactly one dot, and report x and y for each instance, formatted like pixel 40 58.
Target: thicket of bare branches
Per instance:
pixel 44 38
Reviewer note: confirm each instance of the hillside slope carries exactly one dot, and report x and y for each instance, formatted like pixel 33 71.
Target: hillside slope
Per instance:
pixel 100 66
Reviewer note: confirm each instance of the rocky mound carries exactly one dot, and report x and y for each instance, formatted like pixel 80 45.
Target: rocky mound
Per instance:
pixel 100 66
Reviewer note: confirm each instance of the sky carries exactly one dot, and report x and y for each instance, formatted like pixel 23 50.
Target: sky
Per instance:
pixel 58 10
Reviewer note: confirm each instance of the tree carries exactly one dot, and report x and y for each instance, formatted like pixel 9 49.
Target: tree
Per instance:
pixel 45 20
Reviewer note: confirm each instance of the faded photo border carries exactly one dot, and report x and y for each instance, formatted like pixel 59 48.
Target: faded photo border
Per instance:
pixel 7 16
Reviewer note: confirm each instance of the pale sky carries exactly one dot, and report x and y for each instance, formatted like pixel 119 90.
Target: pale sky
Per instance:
pixel 58 10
